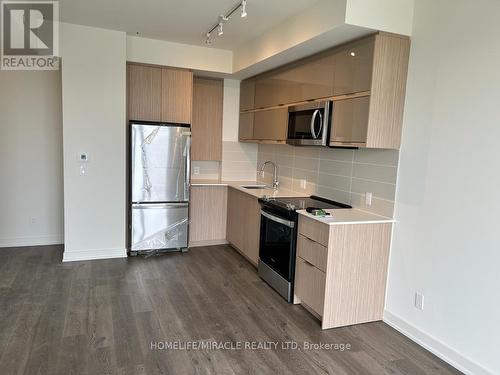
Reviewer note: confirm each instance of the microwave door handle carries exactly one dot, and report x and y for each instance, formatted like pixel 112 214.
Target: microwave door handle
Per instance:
pixel 313 122
pixel 320 123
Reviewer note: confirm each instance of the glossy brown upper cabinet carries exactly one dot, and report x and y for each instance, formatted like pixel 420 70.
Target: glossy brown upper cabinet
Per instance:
pixel 353 67
pixel 247 95
pixel 156 93
pixel 246 126
pixel 315 77
pixel 374 121
pixel 206 127
pixel 177 95
pixel 373 68
pixel 144 92
pixel 271 125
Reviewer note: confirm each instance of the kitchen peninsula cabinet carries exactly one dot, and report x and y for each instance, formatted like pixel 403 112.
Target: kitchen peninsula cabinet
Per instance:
pixel 341 270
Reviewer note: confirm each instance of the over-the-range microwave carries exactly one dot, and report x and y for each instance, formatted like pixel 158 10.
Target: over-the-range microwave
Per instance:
pixel 341 123
pixel 308 124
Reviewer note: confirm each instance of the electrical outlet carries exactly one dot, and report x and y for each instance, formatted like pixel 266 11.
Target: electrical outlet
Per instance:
pixel 196 170
pixel 33 220
pixel 303 183
pixel 368 199
pixel 419 301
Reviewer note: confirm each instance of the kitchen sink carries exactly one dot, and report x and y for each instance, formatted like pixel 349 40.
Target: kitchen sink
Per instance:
pixel 255 186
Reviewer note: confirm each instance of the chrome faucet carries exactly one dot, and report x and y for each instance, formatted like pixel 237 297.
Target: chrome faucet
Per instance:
pixel 275 177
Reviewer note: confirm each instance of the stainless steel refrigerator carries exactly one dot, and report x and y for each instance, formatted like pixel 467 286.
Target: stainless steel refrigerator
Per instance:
pixel 160 178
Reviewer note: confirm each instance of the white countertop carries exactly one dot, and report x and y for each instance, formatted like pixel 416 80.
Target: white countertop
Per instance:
pixel 348 216
pixel 259 193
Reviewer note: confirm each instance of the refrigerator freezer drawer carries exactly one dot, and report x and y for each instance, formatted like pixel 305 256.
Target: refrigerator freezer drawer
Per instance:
pixel 157 226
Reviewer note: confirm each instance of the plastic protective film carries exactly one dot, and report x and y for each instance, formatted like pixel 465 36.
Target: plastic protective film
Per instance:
pixel 166 238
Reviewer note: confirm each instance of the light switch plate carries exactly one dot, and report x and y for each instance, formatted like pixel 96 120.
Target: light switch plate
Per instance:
pixel 419 301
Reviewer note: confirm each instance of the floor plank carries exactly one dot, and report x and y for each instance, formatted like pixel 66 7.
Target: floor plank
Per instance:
pixel 104 317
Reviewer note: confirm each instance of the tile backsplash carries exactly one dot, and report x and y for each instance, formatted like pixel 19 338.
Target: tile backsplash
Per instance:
pixel 207 170
pixel 339 174
pixel 239 163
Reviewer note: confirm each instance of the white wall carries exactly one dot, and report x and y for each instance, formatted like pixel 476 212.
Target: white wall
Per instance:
pixel 446 242
pixel 93 91
pixel 31 178
pixel 394 16
pixel 323 25
pixel 180 55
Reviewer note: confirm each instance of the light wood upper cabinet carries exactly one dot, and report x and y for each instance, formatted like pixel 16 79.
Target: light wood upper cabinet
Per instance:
pixel 388 90
pixel 177 95
pixel 159 94
pixel 271 124
pixel 206 127
pixel 144 92
pixel 353 67
pixel 243 223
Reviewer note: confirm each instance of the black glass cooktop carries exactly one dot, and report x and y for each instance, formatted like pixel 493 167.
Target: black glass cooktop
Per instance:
pixel 294 203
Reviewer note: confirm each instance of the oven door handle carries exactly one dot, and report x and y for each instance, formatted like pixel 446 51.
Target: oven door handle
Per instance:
pixel 277 219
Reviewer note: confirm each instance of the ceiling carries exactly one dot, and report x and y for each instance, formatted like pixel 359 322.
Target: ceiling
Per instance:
pixel 183 21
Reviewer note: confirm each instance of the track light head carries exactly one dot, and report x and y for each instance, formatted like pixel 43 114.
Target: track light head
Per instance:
pixel 221 31
pixel 243 8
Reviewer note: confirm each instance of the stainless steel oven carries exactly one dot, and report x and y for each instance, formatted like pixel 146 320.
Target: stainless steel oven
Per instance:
pixel 308 124
pixel 277 251
pixel 278 238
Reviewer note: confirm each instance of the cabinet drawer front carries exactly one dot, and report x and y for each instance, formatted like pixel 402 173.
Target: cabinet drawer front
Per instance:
pixel 314 230
pixel 312 251
pixel 310 285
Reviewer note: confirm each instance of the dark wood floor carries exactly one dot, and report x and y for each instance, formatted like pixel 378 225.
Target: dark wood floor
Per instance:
pixel 100 317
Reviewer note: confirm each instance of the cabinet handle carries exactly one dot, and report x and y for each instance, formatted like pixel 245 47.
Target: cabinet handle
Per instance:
pixel 308 263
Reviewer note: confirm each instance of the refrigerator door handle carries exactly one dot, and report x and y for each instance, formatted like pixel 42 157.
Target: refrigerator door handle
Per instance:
pixel 146 206
pixel 188 167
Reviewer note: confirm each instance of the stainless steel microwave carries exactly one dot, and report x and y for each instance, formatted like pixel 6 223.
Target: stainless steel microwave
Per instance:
pixel 308 124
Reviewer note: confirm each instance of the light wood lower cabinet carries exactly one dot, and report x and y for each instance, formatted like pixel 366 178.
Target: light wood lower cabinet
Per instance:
pixel 207 215
pixel 243 223
pixel 347 286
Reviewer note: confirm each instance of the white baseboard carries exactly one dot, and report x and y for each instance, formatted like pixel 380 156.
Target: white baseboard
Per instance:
pixel 31 241
pixel 74 256
pixel 435 346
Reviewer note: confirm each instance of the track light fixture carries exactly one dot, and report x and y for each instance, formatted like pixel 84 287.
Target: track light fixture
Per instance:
pixel 223 18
